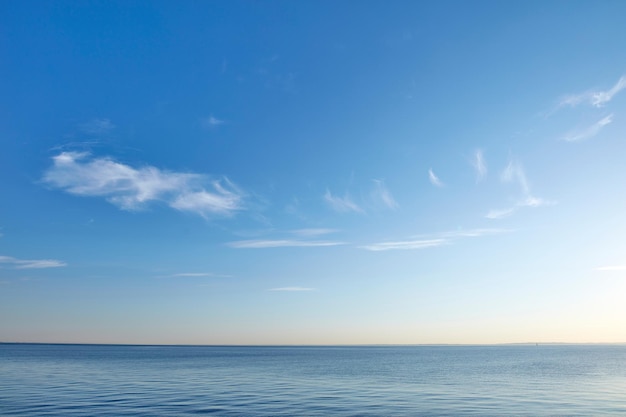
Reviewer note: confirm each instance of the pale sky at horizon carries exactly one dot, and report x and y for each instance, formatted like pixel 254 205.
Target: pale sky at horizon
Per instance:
pixel 307 172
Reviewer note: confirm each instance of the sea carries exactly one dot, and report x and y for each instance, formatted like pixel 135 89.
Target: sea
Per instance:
pixel 502 380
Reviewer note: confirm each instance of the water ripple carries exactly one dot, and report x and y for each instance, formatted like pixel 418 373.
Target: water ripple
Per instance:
pixel 74 380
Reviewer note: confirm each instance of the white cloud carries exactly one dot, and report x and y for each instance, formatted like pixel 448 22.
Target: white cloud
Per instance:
pixel 132 188
pixel 406 244
pixel 434 179
pixel 612 268
pixel 500 214
pixel 381 195
pixel 203 202
pixel 531 201
pixel 341 204
pixel 97 126
pixel 589 132
pixel 528 201
pixel 434 240
pixel 212 121
pixel 478 162
pixel 593 98
pixel 514 172
pixel 280 243
pixel 313 232
pixel 31 263
pixel 474 232
pixel 199 275
pixel 292 289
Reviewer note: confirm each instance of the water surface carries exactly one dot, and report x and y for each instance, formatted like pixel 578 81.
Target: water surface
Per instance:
pixel 106 380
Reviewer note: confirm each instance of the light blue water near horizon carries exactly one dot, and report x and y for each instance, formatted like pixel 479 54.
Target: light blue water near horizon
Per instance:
pixel 116 380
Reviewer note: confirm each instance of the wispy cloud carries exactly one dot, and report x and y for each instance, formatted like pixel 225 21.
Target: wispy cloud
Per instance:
pixel 434 179
pixel 97 126
pixel 212 122
pixel 500 214
pixel 595 98
pixel 612 268
pixel 405 244
pixel 474 232
pixel 589 132
pixel 341 204
pixel 531 201
pixel 381 195
pixel 292 289
pixel 280 243
pixel 434 240
pixel 133 188
pixel 199 275
pixel 478 162
pixel 514 172
pixel 312 232
pixel 31 263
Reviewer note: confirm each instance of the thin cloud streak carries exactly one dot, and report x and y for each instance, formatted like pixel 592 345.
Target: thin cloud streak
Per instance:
pixel 478 162
pixel 475 232
pixel 514 172
pixel 133 188
pixel 434 240
pixel 434 179
pixel 97 126
pixel 212 122
pixel 405 245
pixel 500 214
pixel 612 268
pixel 594 98
pixel 280 243
pixel 341 204
pixel 382 195
pixel 31 263
pixel 591 131
pixel 312 232
pixel 198 275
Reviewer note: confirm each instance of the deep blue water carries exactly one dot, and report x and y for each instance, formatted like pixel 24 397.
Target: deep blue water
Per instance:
pixel 97 380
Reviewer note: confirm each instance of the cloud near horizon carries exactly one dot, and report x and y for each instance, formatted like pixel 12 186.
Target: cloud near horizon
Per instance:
pixel 280 243
pixel 31 263
pixel 313 232
pixel 198 275
pixel 132 189
pixel 430 241
pixel 612 268
pixel 405 244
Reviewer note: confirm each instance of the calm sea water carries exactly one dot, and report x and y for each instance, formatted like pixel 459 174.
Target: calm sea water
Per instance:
pixel 94 380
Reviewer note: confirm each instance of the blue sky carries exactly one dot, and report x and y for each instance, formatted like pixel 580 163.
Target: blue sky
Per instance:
pixel 312 172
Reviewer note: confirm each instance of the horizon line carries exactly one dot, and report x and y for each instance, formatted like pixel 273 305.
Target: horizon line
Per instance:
pixel 311 345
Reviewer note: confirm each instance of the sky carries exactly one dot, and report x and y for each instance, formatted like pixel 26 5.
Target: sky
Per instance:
pixel 280 172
